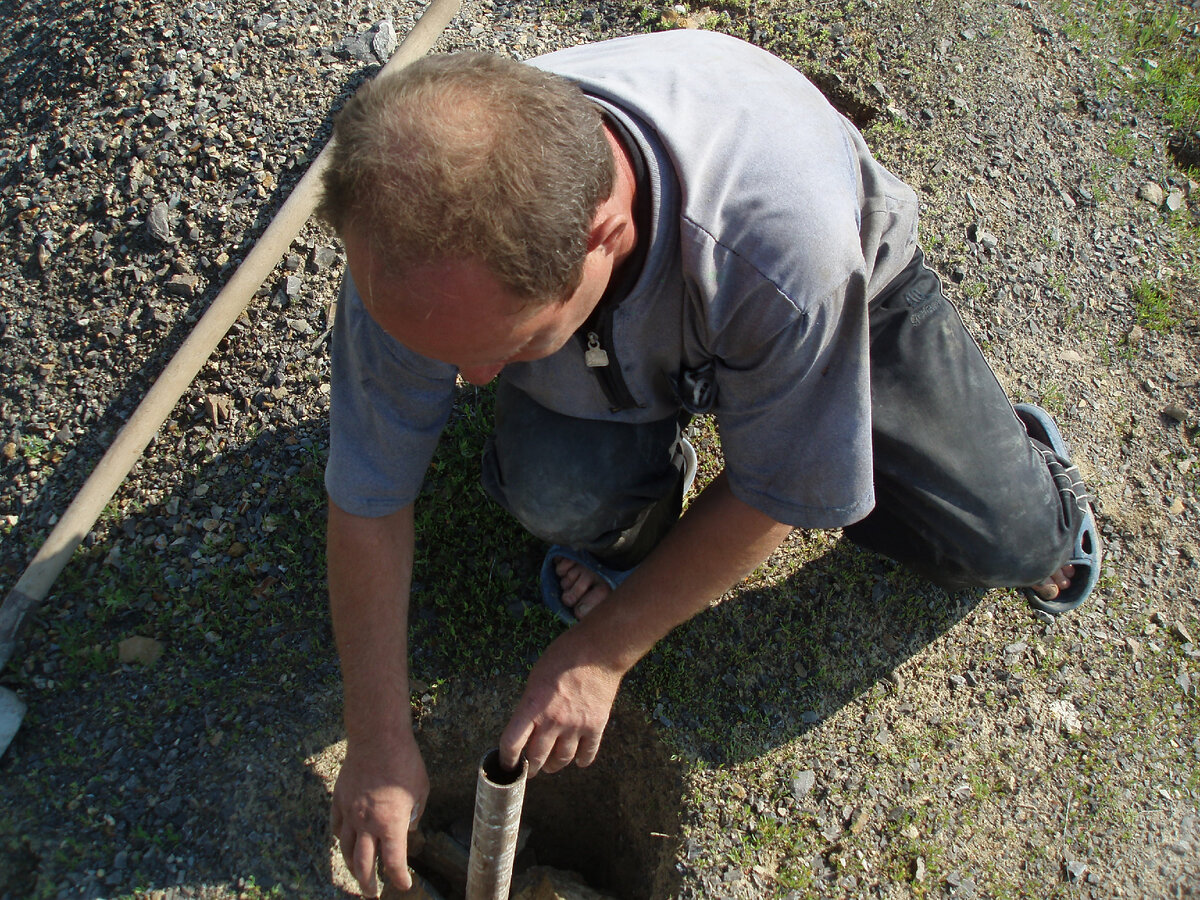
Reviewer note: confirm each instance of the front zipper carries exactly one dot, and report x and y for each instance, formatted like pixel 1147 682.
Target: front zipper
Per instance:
pixel 595 356
pixel 598 355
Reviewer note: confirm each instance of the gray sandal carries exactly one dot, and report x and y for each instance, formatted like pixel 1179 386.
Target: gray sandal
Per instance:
pixel 1086 554
pixel 552 588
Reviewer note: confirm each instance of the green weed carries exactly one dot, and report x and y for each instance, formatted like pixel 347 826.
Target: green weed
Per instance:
pixel 1123 145
pixel 33 447
pixel 1058 283
pixel 1053 398
pixel 973 289
pixel 1153 306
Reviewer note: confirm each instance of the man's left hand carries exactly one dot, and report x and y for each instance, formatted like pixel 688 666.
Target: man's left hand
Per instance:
pixel 562 713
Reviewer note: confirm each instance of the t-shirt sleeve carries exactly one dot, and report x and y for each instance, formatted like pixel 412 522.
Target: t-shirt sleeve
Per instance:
pixel 794 405
pixel 388 406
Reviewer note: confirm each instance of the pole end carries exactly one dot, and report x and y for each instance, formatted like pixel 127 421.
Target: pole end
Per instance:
pixel 15 608
pixel 12 711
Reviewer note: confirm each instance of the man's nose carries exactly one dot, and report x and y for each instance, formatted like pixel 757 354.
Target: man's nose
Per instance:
pixel 480 375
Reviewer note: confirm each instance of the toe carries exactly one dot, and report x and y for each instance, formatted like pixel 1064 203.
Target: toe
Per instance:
pixel 1047 589
pixel 596 595
pixel 1062 578
pixel 575 584
pixel 1055 584
pixel 568 573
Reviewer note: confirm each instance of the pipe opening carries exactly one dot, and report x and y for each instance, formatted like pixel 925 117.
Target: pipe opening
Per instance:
pixel 499 776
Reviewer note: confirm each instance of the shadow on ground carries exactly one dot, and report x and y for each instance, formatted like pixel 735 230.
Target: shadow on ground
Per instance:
pixel 212 765
pixel 818 625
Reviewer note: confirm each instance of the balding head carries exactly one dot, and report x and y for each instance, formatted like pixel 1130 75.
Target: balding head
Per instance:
pixel 472 156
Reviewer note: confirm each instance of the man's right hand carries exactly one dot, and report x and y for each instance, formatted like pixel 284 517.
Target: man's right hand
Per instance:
pixel 378 799
pixel 383 780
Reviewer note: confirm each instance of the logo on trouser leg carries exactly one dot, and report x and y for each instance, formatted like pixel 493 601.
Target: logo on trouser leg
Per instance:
pixel 920 305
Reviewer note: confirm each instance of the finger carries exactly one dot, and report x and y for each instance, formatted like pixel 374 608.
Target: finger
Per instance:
pixel 335 821
pixel 561 755
pixel 393 854
pixel 589 746
pixel 537 750
pixel 347 838
pixel 513 741
pixel 363 865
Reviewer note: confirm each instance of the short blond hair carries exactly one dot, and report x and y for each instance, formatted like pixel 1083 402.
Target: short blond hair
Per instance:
pixel 473 156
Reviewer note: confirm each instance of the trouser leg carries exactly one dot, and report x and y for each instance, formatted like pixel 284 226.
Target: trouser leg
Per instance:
pixel 611 488
pixel 962 494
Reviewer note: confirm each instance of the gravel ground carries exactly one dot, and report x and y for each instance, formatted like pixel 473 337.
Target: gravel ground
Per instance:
pixel 836 727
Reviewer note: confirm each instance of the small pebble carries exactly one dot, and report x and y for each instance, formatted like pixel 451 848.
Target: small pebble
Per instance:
pixel 1151 193
pixel 158 223
pixel 803 783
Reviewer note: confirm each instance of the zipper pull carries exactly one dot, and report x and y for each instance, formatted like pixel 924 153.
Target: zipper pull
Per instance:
pixel 594 357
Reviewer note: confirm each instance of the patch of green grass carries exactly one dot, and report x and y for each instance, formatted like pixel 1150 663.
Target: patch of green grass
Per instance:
pixel 467 597
pixel 1158 55
pixel 1123 145
pixel 973 290
pixel 33 447
pixel 901 863
pixel 1162 43
pixel 1075 26
pixel 1109 347
pixel 1153 306
pixel 1052 398
pixel 719 22
pixel 1099 181
pixel 1058 283
pixel 1193 781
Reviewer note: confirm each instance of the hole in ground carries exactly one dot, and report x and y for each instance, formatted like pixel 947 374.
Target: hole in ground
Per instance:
pixel 1184 148
pixel 845 99
pixel 616 824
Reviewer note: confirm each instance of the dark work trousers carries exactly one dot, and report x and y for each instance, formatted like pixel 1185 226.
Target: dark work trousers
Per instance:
pixel 611 488
pixel 963 495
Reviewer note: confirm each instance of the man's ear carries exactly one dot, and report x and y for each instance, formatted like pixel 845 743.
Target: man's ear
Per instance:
pixel 608 227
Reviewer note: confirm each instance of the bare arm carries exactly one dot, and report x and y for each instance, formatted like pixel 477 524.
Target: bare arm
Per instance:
pixel 566 704
pixel 382 785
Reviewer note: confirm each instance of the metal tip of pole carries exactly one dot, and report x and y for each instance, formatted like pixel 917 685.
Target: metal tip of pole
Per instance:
pixel 12 711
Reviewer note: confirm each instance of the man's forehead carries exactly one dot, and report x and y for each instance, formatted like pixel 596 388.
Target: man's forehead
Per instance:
pixel 420 291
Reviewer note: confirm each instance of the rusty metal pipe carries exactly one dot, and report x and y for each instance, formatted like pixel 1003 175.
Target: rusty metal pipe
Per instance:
pixel 133 437
pixel 499 796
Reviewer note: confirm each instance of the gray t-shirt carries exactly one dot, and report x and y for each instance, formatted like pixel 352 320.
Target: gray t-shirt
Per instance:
pixel 771 229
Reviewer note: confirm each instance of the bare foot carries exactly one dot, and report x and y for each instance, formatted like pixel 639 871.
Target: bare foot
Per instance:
pixel 1052 586
pixel 582 589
